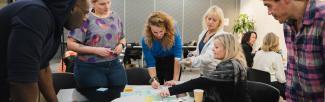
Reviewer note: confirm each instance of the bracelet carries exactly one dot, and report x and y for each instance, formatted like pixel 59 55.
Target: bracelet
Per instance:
pixel 152 79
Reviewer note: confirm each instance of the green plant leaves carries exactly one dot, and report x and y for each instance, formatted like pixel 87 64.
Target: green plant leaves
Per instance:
pixel 243 24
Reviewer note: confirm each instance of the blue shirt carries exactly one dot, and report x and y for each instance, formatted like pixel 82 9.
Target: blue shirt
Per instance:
pixel 157 50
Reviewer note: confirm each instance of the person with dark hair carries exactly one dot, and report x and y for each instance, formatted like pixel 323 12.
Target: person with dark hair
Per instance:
pixel 32 31
pixel 247 43
pixel 304 34
pixel 99 43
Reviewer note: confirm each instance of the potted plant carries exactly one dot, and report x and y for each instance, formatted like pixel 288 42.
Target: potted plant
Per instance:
pixel 243 24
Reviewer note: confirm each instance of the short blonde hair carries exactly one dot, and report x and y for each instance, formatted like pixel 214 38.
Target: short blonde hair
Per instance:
pixel 233 49
pixel 270 42
pixel 163 20
pixel 215 10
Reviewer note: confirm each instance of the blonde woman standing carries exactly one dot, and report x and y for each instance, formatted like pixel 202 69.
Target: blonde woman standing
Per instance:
pixel 162 48
pixel 212 24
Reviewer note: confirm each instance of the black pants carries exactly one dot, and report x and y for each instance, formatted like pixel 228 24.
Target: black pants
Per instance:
pixel 280 87
pixel 93 95
pixel 165 68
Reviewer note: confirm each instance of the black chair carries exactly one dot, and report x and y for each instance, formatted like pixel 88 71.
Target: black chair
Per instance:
pixel 132 53
pixel 259 76
pixel 137 76
pixel 63 81
pixel 261 92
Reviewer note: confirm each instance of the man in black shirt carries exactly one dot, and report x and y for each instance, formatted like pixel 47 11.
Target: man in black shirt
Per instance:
pixel 31 32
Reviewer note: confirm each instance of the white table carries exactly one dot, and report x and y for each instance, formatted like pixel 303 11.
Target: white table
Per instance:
pixel 70 95
pixel 145 93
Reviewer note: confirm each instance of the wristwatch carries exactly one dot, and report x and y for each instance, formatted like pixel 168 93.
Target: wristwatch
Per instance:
pixel 152 79
pixel 123 46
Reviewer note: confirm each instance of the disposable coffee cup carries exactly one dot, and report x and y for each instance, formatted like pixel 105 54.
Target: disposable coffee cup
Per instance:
pixel 198 95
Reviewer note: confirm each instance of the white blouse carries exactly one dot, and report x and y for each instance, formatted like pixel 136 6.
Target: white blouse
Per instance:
pixel 270 62
pixel 205 60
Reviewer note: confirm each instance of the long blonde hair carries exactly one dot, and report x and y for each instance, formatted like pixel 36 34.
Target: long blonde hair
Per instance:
pixel 163 20
pixel 215 10
pixel 233 50
pixel 270 42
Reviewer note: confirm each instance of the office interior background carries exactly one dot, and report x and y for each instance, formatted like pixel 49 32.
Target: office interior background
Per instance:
pixel 188 14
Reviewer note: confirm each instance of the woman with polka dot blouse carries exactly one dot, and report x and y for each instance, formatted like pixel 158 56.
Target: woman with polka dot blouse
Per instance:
pixel 98 42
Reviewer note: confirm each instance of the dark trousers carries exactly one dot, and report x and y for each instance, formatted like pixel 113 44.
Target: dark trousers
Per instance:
pixel 280 87
pixel 4 93
pixel 91 76
pixel 165 68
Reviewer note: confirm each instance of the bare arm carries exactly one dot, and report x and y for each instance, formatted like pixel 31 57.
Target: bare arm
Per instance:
pixel 152 72
pixel 46 85
pixel 23 92
pixel 80 48
pixel 118 49
pixel 176 70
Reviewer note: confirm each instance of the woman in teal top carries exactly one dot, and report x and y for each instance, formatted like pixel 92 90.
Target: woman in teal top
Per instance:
pixel 162 48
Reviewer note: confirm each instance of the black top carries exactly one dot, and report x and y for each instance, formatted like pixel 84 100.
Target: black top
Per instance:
pixel 31 31
pixel 222 82
pixel 248 54
pixel 201 45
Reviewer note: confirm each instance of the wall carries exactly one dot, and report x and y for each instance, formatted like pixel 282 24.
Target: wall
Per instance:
pixel 187 13
pixel 264 23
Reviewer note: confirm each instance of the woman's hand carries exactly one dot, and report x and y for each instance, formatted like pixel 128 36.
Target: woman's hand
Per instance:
pixel 164 93
pixel 103 52
pixel 170 83
pixel 155 84
pixel 118 49
pixel 186 62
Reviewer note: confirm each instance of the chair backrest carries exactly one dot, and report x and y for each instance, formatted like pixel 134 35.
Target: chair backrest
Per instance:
pixel 63 81
pixel 137 76
pixel 258 75
pixel 261 92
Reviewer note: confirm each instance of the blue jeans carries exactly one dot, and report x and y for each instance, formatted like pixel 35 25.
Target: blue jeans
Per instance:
pixel 102 74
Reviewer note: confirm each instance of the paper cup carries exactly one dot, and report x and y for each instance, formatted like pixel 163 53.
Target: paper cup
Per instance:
pixel 198 95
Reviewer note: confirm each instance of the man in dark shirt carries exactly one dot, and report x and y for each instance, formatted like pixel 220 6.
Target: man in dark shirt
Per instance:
pixel 31 32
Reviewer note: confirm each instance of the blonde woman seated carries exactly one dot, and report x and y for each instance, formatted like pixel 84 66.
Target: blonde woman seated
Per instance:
pixel 212 23
pixel 268 60
pixel 227 81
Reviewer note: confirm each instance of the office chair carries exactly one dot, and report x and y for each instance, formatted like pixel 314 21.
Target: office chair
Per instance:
pixel 137 76
pixel 261 92
pixel 63 81
pixel 258 75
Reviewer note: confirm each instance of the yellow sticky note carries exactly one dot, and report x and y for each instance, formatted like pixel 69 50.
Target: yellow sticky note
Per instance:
pixel 128 89
pixel 148 99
